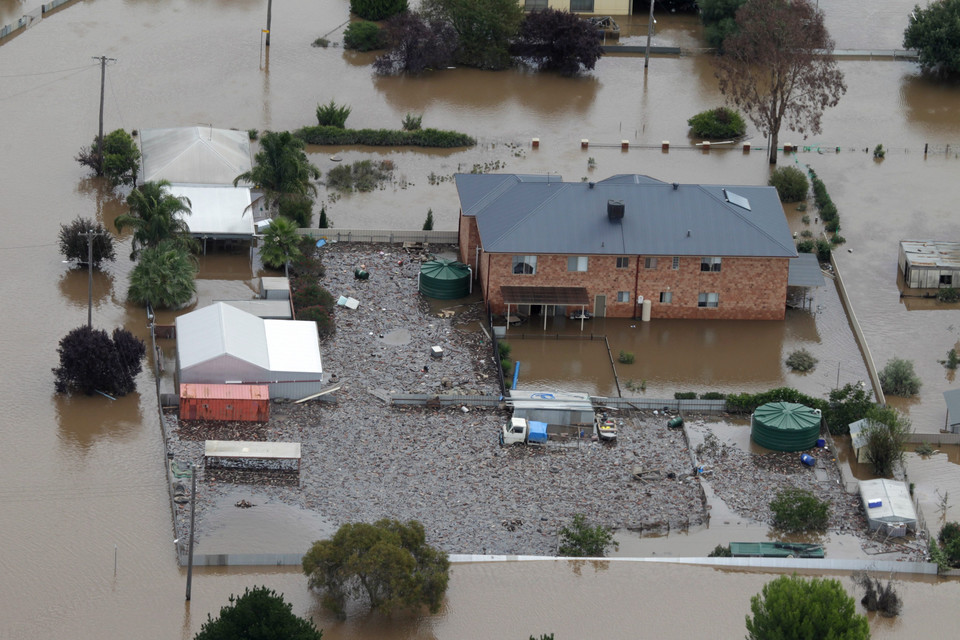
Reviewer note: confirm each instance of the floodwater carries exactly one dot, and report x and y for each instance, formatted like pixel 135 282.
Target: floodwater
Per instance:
pixel 83 483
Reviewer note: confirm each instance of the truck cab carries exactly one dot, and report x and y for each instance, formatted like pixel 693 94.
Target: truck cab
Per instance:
pixel 522 431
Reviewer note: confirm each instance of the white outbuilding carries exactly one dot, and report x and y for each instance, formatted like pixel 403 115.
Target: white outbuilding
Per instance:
pixel 221 344
pixel 194 155
pixel 888 506
pixel 217 212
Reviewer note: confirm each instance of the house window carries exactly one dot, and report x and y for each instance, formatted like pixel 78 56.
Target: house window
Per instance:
pixel 623 296
pixel 947 280
pixel 525 265
pixel 676 263
pixel 581 5
pixel 708 300
pixel 533 5
pixel 666 297
pixel 577 263
pixel 709 264
pixel 623 263
pixel 649 263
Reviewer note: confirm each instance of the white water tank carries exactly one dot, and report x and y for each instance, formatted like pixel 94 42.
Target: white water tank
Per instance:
pixel 645 313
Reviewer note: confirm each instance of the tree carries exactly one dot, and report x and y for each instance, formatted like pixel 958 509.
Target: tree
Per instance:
pixel 259 614
pixel 778 68
pixel 848 404
pixel 377 9
pixel 121 158
pixel 793 608
pixel 73 242
pixel 155 216
pixel 281 243
pixel 163 277
pixel 428 223
pixel 884 437
pixel 935 33
pixel 717 123
pixel 416 43
pixel 296 207
pixel 553 40
pixel 362 36
pixel 949 539
pixel 798 510
pixel 899 379
pixel 324 222
pixel 719 20
pixel 791 184
pixel 333 115
pixel 484 27
pixel 388 562
pixel 91 360
pixel 878 596
pixel 281 167
pixel 580 540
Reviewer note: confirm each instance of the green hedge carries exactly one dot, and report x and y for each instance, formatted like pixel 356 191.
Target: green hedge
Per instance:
pixel 384 137
pixel 748 402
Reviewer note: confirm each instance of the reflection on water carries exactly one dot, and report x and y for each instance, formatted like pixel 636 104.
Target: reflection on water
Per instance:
pixel 84 420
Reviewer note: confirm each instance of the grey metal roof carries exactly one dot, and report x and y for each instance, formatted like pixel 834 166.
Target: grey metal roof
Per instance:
pixel 932 253
pixel 953 405
pixel 805 271
pixel 516 214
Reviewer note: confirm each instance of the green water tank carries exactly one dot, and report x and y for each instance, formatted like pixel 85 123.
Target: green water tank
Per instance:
pixel 444 279
pixel 785 426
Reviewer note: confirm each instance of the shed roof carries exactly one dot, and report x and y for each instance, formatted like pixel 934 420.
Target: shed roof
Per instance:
pixel 553 400
pixel 932 254
pixel 225 391
pixel 953 405
pixel 266 309
pixel 217 210
pixel 520 214
pixel 805 271
pixel 194 155
pixel 546 295
pixel 894 500
pixel 247 449
pixel 273 283
pixel 857 437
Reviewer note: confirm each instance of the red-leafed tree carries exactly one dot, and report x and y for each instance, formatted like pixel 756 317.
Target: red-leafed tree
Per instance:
pixel 778 67
pixel 416 43
pixel 559 41
pixel 90 361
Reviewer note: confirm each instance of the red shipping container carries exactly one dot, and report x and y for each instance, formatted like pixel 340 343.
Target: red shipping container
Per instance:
pixel 243 402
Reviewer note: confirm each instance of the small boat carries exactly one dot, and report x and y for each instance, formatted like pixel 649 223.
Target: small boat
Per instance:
pixel 580 315
pixel 606 429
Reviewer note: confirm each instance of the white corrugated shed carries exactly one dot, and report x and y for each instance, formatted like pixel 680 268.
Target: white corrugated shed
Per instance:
pixel 217 211
pixel 194 155
pixel 272 288
pixel 887 503
pixel 221 344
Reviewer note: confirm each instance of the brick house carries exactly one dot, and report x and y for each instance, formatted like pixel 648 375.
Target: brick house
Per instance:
pixel 694 251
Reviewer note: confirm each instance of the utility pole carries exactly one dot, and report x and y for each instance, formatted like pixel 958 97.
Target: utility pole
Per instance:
pixel 646 57
pixel 193 510
pixel 269 11
pixel 90 233
pixel 103 75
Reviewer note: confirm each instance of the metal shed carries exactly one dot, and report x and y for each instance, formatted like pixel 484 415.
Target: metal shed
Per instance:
pixel 221 402
pixel 929 264
pixel 953 410
pixel 858 439
pixel 552 407
pixel 888 506
pixel 785 426
pixel 274 288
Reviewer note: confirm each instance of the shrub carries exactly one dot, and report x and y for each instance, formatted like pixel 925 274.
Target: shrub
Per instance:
pixel 308 264
pixel 580 540
pixel 801 360
pixel 952 359
pixel 685 395
pixel 805 219
pixel 823 250
pixel 833 225
pixel 296 207
pixel 253 134
pixel 321 42
pixel 74 242
pixel 332 115
pixel 626 357
pixel 948 294
pixel 720 551
pixel 250 615
pixel 849 403
pixel 798 510
pixel 506 364
pixel 717 123
pixel 428 223
pixel 828 211
pixel 923 449
pixel 362 175
pixel 712 395
pixel 324 317
pixel 806 233
pixel 503 349
pixel 950 543
pixel 884 438
pixel 363 36
pixel 837 239
pixel 806 246
pixel 791 184
pixel 310 294
pixel 879 152
pixel 377 9
pixel 899 379
pixel 412 122
pixel 384 137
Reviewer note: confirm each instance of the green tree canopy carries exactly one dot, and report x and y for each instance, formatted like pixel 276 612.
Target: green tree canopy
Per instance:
pixel 899 379
pixel 163 277
pixel 91 360
pixel 793 608
pixel 580 540
pixel 719 20
pixel 388 562
pixel 281 167
pixel 377 9
pixel 553 40
pixel 259 614
pixel 280 244
pixel 155 215
pixel 797 510
pixel 484 27
pixel 935 33
pixel 121 157
pixel 73 242
pixel 884 437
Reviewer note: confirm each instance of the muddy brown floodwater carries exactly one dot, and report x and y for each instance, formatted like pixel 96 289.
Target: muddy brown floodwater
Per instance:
pixel 82 478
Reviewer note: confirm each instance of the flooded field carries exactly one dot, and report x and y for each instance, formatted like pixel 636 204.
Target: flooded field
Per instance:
pixel 83 477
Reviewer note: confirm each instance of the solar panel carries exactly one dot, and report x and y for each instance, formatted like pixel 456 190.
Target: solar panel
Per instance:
pixel 738 200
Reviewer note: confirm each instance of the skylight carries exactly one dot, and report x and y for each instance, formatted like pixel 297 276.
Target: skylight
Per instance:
pixel 738 200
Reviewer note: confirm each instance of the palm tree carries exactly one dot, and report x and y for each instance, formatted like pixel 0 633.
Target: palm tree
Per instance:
pixel 164 277
pixel 155 216
pixel 281 243
pixel 281 167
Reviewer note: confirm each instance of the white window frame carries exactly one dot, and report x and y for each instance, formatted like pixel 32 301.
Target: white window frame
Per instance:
pixel 710 264
pixel 676 263
pixel 577 263
pixel 527 261
pixel 708 300
pixel 623 263
pixel 666 297
pixel 623 296
pixel 650 263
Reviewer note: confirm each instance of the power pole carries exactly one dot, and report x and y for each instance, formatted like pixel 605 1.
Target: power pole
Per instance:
pixel 193 507
pixel 269 11
pixel 90 233
pixel 646 57
pixel 103 75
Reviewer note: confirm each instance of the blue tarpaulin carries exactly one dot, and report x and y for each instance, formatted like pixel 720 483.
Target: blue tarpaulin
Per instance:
pixel 538 431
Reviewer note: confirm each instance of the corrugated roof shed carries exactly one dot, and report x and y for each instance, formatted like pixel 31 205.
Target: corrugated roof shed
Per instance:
pixel 194 155
pixel 887 502
pixel 517 214
pixel 805 271
pixel 932 253
pixel 217 210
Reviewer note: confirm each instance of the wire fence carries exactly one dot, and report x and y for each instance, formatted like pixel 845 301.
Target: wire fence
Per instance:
pixel 389 236
pixel 28 19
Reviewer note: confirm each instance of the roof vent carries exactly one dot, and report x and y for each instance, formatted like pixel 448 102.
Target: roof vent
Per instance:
pixel 615 209
pixel 676 185
pixel 590 184
pixel 688 233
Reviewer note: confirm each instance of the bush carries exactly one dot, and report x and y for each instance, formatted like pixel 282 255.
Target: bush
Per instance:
pixel 952 359
pixel 74 242
pixel 626 357
pixel 323 316
pixel 791 184
pixel 324 222
pixel 806 233
pixel 362 175
pixel 879 152
pixel 849 403
pixel 309 294
pixel 720 551
pixel 308 264
pixel 801 360
pixel 948 294
pixel 949 538
pixel 798 510
pixel 837 239
pixel 833 225
pixel 823 250
pixel 794 608
pixel 806 246
pixel 717 123
pixel 332 115
pixel 503 349
pixel 580 540
pixel 258 613
pixel 377 9
pixel 747 402
pixel 296 207
pixel 712 395
pixel 384 137
pixel 321 42
pixel 899 379
pixel 828 211
pixel 91 360
pixel 884 438
pixel 505 365
pixel 685 395
pixel 363 36
pixel 412 122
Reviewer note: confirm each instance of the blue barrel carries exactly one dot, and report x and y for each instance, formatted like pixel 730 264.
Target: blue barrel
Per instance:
pixel 821 443
pixel 808 459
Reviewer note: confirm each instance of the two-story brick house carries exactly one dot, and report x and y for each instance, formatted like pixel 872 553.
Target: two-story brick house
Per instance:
pixel 694 251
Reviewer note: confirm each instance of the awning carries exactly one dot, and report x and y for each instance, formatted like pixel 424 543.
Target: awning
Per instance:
pixel 805 271
pixel 246 449
pixel 953 405
pixel 563 296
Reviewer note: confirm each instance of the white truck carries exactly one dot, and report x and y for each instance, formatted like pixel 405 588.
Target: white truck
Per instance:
pixel 523 431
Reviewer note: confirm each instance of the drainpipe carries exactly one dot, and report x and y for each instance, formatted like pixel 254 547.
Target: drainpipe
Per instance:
pixel 636 284
pixel 486 289
pixel 476 260
pixel 469 268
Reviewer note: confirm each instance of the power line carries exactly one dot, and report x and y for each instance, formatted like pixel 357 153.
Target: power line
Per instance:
pixel 44 73
pixel 46 84
pixel 28 246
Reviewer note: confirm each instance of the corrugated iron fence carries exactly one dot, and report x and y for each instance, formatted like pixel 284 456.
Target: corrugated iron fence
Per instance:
pixel 383 235
pixel 648 404
pixel 28 19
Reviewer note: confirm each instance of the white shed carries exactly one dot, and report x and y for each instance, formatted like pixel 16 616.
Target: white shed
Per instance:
pixel 217 212
pixel 221 344
pixel 194 155
pixel 858 439
pixel 888 506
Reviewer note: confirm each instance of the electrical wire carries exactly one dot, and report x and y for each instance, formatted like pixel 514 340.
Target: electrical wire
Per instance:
pixel 45 84
pixel 27 246
pixel 45 73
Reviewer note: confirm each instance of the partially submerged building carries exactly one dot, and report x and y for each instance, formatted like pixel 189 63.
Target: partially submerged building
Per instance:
pixel 929 264
pixel 952 398
pixel 888 506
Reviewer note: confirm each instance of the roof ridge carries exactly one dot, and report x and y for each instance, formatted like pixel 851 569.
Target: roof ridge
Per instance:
pixel 733 210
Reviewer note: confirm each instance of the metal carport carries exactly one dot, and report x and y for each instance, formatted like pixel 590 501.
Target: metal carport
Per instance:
pixel 557 296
